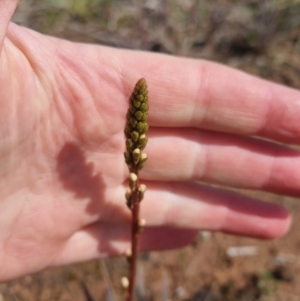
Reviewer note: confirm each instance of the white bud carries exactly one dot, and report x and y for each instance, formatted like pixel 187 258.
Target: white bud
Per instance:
pixel 132 180
pixel 141 191
pixel 125 282
pixel 133 177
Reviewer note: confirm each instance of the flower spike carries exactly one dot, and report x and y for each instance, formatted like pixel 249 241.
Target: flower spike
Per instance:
pixel 136 140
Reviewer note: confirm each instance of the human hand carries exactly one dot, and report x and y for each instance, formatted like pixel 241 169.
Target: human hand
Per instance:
pixel 62 170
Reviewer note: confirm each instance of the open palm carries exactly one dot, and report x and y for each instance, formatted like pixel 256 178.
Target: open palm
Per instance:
pixel 62 172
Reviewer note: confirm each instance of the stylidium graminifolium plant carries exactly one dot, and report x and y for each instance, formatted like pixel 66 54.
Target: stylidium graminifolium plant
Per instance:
pixel 136 140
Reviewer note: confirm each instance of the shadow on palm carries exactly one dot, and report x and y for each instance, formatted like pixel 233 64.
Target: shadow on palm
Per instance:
pixel 78 176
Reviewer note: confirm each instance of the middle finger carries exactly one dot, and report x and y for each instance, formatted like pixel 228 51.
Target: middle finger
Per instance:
pixel 226 159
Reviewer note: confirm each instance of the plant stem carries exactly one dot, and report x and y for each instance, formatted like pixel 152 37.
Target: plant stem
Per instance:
pixel 136 140
pixel 134 238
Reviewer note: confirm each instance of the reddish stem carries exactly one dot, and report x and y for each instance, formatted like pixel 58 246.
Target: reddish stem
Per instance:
pixel 135 209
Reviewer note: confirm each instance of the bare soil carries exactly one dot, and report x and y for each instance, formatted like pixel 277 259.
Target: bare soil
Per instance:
pixel 260 37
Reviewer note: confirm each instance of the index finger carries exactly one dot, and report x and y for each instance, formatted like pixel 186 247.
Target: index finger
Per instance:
pixel 201 94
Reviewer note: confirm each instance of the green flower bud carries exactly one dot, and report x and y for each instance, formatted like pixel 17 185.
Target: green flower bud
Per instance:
pixel 143 158
pixel 129 145
pixel 145 129
pixel 135 136
pixel 128 194
pixel 133 122
pixel 144 107
pixel 132 109
pixel 138 115
pixel 127 156
pixel 142 127
pixel 127 131
pixel 136 103
pixel 144 117
pixel 129 204
pixel 142 141
pixel 140 97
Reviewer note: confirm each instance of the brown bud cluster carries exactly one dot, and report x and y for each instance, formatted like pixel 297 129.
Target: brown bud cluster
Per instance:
pixel 137 126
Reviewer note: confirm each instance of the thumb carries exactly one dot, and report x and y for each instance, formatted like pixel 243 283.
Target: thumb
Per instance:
pixel 7 8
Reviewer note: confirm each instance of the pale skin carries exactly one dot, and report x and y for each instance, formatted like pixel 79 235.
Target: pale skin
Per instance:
pixel 62 172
